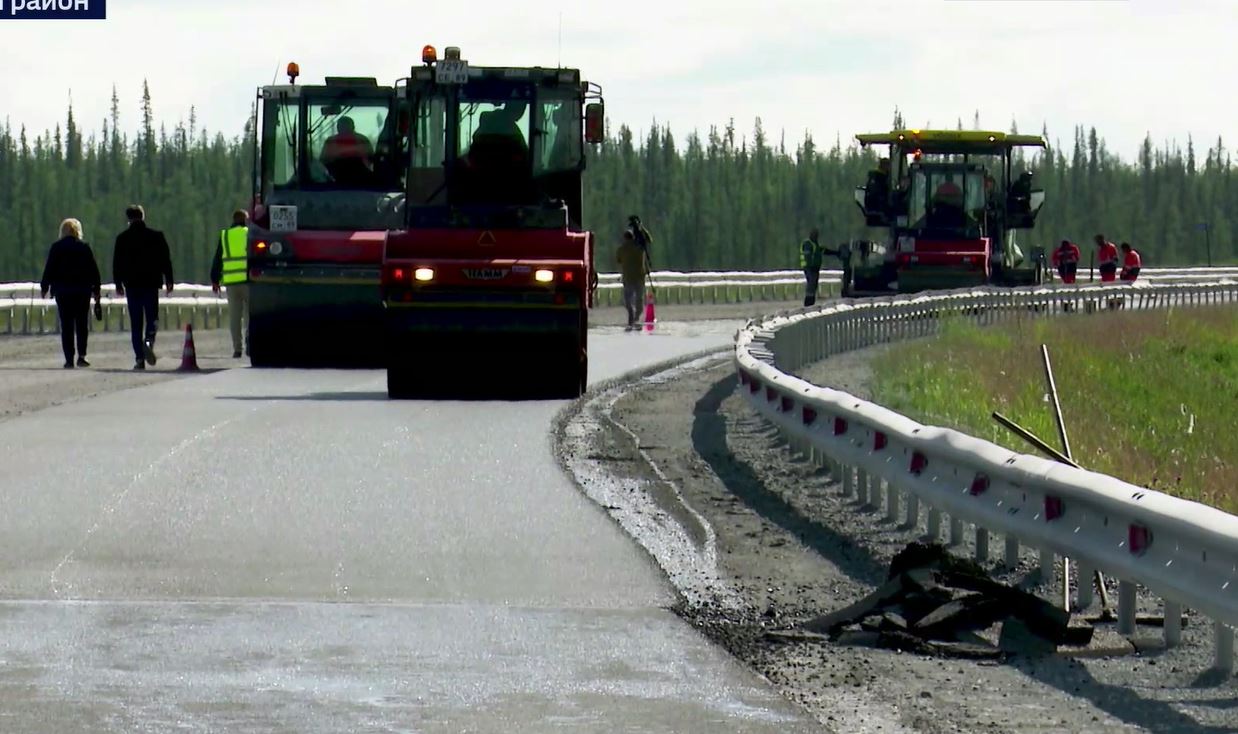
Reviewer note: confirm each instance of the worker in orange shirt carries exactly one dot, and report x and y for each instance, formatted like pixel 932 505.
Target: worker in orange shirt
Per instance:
pixel 1106 259
pixel 1066 260
pixel 1131 263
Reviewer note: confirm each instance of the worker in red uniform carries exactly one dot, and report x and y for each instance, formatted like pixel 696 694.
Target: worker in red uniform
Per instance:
pixel 1131 263
pixel 1066 260
pixel 1106 259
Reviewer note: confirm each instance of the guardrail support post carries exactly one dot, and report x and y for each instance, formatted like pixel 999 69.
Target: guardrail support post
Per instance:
pixel 934 524
pixel 982 545
pixel 956 531
pixel 1173 623
pixel 1012 551
pixel 848 479
pixel 1126 607
pixel 1083 590
pixel 913 510
pixel 1225 648
pixel 891 502
pixel 861 486
pixel 1047 569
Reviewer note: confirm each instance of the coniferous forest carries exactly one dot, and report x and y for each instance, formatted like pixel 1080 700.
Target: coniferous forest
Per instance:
pixel 725 199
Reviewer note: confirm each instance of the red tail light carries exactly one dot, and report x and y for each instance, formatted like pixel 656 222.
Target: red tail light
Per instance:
pixel 569 276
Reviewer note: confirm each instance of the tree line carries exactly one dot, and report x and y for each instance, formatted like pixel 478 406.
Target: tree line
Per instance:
pixel 719 200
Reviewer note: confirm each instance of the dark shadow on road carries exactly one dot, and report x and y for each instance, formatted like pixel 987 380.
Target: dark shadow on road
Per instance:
pixel 709 437
pixel 327 397
pixel 383 397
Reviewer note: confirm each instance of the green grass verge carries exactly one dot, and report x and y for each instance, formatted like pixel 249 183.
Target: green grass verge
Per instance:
pixel 1150 397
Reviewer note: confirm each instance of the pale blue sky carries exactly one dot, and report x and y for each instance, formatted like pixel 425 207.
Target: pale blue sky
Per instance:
pixel 831 67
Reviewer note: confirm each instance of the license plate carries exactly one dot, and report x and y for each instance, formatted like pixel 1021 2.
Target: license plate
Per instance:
pixel 283 218
pixel 452 71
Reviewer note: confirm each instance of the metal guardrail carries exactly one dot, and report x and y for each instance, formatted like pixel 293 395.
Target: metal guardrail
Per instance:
pixel 1184 552
pixel 23 312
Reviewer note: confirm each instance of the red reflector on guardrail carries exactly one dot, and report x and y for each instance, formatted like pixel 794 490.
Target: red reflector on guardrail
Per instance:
pixel 810 416
pixel 919 462
pixel 754 386
pixel 879 441
pixel 1139 538
pixel 786 404
pixel 840 426
pixel 1053 508
pixel 770 393
pixel 979 485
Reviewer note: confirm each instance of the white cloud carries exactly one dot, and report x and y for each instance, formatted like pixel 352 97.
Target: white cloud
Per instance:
pixel 829 67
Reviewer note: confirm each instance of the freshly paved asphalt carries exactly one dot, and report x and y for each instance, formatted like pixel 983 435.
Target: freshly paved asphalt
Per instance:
pixel 287 550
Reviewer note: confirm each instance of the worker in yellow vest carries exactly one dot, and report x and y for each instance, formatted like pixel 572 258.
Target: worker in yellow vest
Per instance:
pixel 230 270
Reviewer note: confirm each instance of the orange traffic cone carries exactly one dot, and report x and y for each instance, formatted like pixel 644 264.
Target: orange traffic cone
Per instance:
pixel 650 316
pixel 189 357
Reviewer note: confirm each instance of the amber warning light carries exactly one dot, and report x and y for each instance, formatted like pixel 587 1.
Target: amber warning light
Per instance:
pixel 294 71
pixel 428 54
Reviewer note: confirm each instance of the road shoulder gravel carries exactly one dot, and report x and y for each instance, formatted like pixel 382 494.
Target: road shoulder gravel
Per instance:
pixel 756 539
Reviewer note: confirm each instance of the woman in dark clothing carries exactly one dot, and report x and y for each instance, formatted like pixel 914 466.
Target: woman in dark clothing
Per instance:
pixel 72 275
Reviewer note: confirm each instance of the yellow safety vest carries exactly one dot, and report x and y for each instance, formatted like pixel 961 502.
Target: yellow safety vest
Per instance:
pixel 234 242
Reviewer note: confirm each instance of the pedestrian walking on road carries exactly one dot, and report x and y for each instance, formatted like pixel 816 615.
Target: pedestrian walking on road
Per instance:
pixel 633 269
pixel 141 264
pixel 72 276
pixel 1131 263
pixel 1106 259
pixel 230 269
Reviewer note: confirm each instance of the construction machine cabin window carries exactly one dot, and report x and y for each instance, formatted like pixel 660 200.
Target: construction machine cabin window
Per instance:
pixel 352 144
pixel 559 138
pixel 281 137
pixel 947 198
pixel 426 174
pixel 494 124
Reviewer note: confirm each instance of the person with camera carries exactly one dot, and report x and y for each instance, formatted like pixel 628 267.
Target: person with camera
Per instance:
pixel 633 269
pixel 72 276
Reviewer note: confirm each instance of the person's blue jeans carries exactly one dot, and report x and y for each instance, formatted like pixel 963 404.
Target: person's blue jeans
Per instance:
pixel 143 317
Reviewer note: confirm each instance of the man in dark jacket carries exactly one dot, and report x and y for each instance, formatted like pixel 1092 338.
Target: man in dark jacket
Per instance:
pixel 142 263
pixel 72 276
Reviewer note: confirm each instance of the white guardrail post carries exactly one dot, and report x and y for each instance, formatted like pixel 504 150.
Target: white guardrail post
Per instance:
pixel 1184 552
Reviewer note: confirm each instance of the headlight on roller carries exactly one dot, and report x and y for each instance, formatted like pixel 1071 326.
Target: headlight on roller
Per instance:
pixel 544 276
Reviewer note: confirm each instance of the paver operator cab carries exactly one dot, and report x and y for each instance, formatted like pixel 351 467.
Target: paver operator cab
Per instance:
pixel 493 273
pixel 329 185
pixel 952 204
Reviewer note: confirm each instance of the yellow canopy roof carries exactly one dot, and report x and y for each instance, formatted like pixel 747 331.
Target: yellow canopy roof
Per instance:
pixel 951 141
